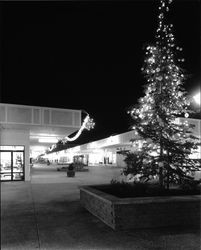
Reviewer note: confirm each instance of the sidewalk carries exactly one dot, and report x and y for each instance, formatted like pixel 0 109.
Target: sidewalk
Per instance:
pixel 46 214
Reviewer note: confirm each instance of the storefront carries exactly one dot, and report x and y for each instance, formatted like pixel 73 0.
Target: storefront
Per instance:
pixel 106 151
pixel 12 160
pixel 27 131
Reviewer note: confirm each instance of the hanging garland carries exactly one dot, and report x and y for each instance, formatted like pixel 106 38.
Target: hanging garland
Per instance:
pixel 88 124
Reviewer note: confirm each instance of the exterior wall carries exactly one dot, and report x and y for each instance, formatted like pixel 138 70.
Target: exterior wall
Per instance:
pixel 120 161
pixel 33 115
pixel 24 125
pixel 97 151
pixel 93 157
pixel 13 137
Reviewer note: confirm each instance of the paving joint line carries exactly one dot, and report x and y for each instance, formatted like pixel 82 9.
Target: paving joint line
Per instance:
pixel 35 217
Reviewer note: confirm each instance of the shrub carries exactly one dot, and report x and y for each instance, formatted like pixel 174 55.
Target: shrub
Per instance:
pixel 138 189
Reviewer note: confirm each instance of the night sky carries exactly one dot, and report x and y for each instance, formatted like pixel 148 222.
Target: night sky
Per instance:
pixel 88 55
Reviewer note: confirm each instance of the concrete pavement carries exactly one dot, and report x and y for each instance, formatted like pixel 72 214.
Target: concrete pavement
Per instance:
pixel 46 214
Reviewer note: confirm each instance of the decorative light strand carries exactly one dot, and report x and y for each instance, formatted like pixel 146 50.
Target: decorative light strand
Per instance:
pixel 88 124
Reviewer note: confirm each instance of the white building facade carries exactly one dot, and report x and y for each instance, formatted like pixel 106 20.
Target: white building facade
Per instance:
pixel 105 151
pixel 27 131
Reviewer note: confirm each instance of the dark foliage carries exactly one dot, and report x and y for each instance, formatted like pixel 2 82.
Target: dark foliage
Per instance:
pixel 126 190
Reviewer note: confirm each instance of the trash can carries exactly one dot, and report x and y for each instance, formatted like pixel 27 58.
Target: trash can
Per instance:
pixel 70 170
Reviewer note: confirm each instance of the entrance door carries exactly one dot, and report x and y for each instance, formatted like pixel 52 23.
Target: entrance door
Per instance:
pixel 12 165
pixel 18 166
pixel 6 166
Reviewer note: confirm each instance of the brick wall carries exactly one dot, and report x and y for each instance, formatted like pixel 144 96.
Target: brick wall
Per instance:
pixel 158 214
pixel 146 212
pixel 98 206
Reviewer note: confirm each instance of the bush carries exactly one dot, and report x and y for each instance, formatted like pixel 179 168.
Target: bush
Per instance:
pixel 190 184
pixel 138 189
pixel 123 189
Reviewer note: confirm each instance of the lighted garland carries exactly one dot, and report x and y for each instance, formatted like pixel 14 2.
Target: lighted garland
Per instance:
pixel 88 124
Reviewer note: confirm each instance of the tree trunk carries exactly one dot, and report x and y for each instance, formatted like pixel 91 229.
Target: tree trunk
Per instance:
pixel 161 177
pixel 168 171
pixel 161 167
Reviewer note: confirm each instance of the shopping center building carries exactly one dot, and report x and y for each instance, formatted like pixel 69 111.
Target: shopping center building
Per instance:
pixel 27 131
pixel 106 151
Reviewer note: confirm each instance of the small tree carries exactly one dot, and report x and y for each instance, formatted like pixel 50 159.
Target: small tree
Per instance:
pixel 165 144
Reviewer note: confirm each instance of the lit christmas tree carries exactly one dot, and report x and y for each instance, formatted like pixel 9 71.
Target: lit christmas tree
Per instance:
pixel 165 145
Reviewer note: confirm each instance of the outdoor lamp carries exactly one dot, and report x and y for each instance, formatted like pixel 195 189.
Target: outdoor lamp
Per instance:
pixel 197 98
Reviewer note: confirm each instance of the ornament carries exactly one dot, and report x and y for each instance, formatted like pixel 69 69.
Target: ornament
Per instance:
pixel 161 15
pixel 160 78
pixel 179 93
pixel 89 124
pixel 151 60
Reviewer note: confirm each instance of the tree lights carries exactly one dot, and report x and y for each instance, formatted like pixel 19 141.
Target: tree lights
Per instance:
pixel 164 100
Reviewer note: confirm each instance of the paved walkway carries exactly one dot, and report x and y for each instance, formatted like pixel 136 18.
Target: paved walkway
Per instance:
pixel 46 214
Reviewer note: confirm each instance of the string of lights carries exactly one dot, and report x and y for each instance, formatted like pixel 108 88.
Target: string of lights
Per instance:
pixel 87 124
pixel 164 145
pixel 162 74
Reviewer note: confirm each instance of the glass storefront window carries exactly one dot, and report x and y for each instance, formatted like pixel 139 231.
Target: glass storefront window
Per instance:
pixel 5 163
pixel 12 163
pixel 18 165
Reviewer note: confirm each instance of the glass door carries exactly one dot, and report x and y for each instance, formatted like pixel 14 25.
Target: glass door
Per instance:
pixel 18 166
pixel 12 164
pixel 6 166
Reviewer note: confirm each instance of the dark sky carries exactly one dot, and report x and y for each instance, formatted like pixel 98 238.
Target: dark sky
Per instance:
pixel 88 55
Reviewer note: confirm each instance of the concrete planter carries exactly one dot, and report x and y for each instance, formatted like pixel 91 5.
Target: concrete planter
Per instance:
pixel 143 212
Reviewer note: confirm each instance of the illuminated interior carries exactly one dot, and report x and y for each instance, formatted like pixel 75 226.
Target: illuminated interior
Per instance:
pixel 12 163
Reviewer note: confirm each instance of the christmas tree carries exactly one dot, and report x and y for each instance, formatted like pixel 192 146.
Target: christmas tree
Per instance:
pixel 165 145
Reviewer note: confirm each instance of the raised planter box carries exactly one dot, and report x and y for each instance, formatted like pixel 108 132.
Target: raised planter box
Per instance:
pixel 143 212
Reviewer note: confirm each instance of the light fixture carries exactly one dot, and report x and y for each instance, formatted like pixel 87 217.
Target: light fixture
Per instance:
pixel 47 140
pixel 197 98
pixel 37 148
